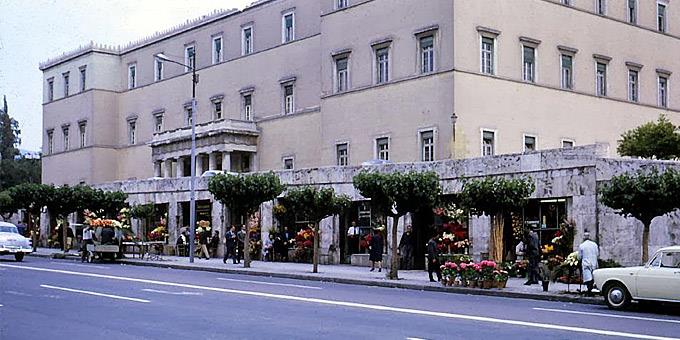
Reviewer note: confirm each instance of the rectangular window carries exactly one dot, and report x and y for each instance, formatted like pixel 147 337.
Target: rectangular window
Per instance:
pixel 341 4
pixel 566 2
pixel 528 64
pixel 488 143
pixel 632 11
pixel 529 143
pixel 342 74
pixel 67 141
pixel 342 154
pixel 188 115
pixel 601 79
pixel 158 70
pixel 217 110
pixel 83 134
pixel 189 58
pixel 288 99
pixel 247 41
pixel 132 132
pixel 158 123
pixel 217 50
pixel 566 144
pixel 567 76
pixel 66 83
pixel 50 89
pixel 288 163
pixel 83 78
pixel 633 85
pixel 427 54
pixel 248 107
pixel 487 55
pixel 382 65
pixel 427 146
pixel 50 142
pixel 288 28
pixel 661 17
pixel 663 91
pixel 383 148
pixel 601 7
pixel 132 76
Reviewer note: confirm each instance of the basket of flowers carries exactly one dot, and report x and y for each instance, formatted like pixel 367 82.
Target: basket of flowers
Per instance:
pixel 487 269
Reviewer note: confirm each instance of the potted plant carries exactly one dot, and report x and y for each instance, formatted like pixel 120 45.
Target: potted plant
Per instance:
pixel 500 278
pixel 487 273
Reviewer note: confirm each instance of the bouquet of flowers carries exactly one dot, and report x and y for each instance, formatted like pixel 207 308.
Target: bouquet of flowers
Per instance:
pixel 158 234
pixel 304 238
pixel 571 260
pixel 487 269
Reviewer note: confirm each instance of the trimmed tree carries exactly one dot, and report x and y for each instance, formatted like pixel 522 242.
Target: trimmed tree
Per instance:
pixel 395 195
pixel 7 205
pixel 107 204
pixel 243 195
pixel 31 197
pixel 144 213
pixel 643 196
pixel 314 205
pixel 660 140
pixel 495 197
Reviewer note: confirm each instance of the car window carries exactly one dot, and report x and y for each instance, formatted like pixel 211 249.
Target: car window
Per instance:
pixel 670 260
pixel 8 229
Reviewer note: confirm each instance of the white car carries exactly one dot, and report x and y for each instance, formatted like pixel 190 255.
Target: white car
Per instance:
pixel 658 280
pixel 11 242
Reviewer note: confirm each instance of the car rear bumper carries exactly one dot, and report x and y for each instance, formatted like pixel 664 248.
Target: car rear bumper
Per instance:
pixel 8 251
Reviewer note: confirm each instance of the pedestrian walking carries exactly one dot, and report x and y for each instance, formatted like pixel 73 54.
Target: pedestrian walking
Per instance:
pixel 69 237
pixel 214 243
pixel 181 244
pixel 588 253
pixel 203 242
pixel 433 260
pixel 406 249
pixel 533 255
pixel 88 238
pixel 230 245
pixel 35 237
pixel 240 238
pixel 376 250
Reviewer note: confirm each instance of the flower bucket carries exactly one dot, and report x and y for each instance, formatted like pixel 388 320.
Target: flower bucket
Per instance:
pixel 480 284
pixel 503 284
pixel 488 284
pixel 472 283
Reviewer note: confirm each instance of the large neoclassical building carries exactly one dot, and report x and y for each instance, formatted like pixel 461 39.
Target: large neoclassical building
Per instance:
pixel 299 83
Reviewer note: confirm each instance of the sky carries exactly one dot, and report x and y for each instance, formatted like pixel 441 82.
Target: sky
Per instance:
pixel 32 31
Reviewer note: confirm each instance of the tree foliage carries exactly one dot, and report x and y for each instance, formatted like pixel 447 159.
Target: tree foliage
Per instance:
pixel 660 140
pixel 144 213
pixel 7 205
pixel 20 170
pixel 395 195
pixel 313 205
pixel 243 195
pixel 644 196
pixel 9 134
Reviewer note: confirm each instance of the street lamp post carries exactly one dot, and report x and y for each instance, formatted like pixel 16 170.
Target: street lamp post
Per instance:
pixel 192 185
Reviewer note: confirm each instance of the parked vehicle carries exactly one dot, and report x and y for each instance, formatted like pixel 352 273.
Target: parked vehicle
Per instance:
pixel 658 280
pixel 13 243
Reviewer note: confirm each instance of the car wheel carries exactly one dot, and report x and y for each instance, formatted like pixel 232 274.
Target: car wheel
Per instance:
pixel 19 257
pixel 617 296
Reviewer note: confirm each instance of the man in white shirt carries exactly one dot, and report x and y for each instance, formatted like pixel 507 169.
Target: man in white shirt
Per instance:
pixel 588 252
pixel 87 239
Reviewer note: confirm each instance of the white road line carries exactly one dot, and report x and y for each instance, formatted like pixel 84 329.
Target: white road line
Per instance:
pixel 358 305
pixel 95 293
pixel 608 315
pixel 170 293
pixel 269 283
pixel 415 339
pixel 1 306
pixel 82 265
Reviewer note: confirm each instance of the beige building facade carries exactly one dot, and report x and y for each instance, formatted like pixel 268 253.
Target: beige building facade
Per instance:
pixel 299 84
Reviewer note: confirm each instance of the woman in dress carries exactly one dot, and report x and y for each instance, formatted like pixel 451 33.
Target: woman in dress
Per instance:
pixel 376 249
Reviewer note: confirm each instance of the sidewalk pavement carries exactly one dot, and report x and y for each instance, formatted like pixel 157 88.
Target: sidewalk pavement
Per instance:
pixel 408 279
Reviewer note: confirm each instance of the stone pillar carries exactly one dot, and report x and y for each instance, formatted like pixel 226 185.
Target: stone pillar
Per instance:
pixel 173 228
pixel 217 225
pixel 44 227
pixel 226 161
pixel 168 168
pixel 266 219
pixel 157 169
pixel 254 166
pixel 199 165
pixel 180 166
pixel 212 161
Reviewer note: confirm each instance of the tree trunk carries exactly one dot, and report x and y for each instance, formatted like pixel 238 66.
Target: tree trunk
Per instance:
pixel 63 232
pixel 496 237
pixel 246 244
pixel 645 242
pixel 315 256
pixel 393 274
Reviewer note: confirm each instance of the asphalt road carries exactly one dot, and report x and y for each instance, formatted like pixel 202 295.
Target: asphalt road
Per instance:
pixel 58 299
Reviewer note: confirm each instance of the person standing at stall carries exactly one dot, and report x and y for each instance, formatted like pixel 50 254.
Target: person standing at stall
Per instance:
pixel 203 241
pixel 588 252
pixel 406 248
pixel 533 255
pixel 230 245
pixel 240 244
pixel 433 260
pixel 376 250
pixel 87 239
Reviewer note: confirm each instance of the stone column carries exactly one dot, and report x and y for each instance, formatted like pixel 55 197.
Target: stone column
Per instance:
pixel 226 161
pixel 173 228
pixel 212 161
pixel 216 224
pixel 180 166
pixel 199 165
pixel 157 169
pixel 168 168
pixel 254 166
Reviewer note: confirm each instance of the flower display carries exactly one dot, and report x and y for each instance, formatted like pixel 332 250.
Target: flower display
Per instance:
pixel 158 234
pixel 571 260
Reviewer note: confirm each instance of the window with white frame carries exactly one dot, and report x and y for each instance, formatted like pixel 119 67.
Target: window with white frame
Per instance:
pixel 217 109
pixel 158 69
pixel 427 55
pixel 633 85
pixel 288 163
pixel 217 49
pixel 50 142
pixel 65 77
pixel 488 55
pixel 567 143
pixel 427 146
pixel 67 140
pixel 528 63
pixel 632 11
pixel 382 65
pixel 188 115
pixel 289 98
pixel 567 74
pixel 601 7
pixel 248 106
pixel 663 90
pixel 132 131
pixel 189 58
pixel 288 27
pixel 661 20
pixel 247 40
pixel 82 129
pixel 158 122
pixel 342 154
pixel 339 4
pixel 566 2
pixel 529 143
pixel 601 79
pixel 383 148
pixel 342 74
pixel 488 143
pixel 50 89
pixel 132 76
pixel 83 78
